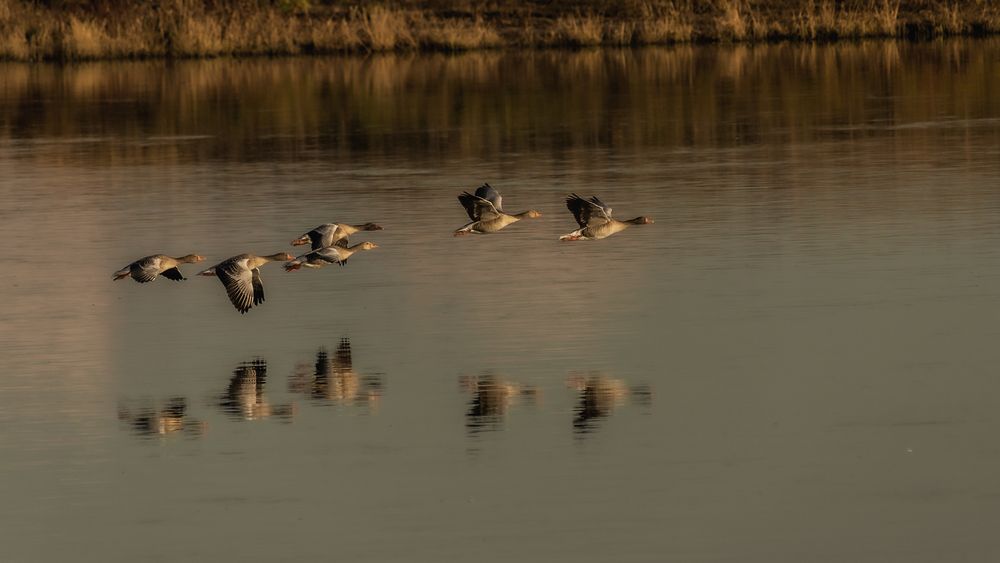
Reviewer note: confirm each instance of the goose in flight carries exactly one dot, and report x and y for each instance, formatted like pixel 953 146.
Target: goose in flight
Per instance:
pixel 594 218
pixel 148 268
pixel 329 234
pixel 241 277
pixel 486 213
pixel 329 255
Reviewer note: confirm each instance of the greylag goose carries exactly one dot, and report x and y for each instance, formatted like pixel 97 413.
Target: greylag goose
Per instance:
pixel 594 218
pixel 328 255
pixel 485 210
pixel 146 269
pixel 241 277
pixel 329 234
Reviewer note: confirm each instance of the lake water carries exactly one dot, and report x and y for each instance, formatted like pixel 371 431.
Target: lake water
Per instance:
pixel 796 362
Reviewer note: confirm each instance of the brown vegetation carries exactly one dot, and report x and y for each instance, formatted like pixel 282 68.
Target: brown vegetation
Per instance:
pixel 89 29
pixel 442 107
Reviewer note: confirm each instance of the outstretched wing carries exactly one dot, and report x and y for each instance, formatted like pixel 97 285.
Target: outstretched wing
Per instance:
pixel 478 208
pixel 322 235
pixel 329 254
pixel 490 193
pixel 240 284
pixel 605 208
pixel 469 203
pixel 588 213
pixel 258 287
pixel 145 269
pixel 172 274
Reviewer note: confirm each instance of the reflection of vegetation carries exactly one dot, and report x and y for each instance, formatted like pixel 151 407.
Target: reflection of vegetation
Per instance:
pixel 480 104
pixel 82 29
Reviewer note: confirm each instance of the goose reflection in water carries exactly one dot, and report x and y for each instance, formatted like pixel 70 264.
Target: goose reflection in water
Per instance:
pixel 491 398
pixel 244 398
pixel 600 396
pixel 170 418
pixel 333 380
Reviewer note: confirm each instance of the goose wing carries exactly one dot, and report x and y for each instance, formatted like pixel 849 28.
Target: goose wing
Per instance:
pixel 258 287
pixel 145 269
pixel 329 254
pixel 490 193
pixel 240 283
pixel 590 212
pixel 478 208
pixel 469 203
pixel 322 235
pixel 172 274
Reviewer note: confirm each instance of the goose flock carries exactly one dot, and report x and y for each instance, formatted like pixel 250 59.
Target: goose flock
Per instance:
pixel 240 274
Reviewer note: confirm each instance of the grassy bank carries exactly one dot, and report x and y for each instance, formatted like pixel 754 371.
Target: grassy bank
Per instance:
pixel 92 29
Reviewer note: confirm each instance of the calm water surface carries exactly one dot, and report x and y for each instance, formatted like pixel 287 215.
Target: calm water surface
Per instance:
pixel 796 362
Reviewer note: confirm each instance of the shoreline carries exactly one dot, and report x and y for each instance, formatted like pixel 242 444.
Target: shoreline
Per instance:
pixel 70 30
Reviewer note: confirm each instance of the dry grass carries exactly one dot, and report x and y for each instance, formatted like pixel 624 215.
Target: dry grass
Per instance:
pixel 660 24
pixel 189 28
pixel 828 21
pixel 581 30
pixel 451 35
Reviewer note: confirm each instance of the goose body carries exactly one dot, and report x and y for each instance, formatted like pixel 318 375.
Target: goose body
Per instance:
pixel 240 275
pixel 147 269
pixel 594 218
pixel 330 234
pixel 486 213
pixel 326 256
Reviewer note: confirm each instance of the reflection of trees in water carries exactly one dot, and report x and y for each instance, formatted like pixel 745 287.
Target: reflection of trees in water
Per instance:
pixel 169 418
pixel 600 396
pixel 492 396
pixel 401 104
pixel 244 398
pixel 334 380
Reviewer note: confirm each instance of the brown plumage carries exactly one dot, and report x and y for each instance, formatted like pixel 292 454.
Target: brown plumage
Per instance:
pixel 594 218
pixel 330 234
pixel 148 268
pixel 325 256
pixel 486 213
pixel 240 275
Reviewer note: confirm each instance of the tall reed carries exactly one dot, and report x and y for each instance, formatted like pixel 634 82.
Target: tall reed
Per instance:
pixel 91 29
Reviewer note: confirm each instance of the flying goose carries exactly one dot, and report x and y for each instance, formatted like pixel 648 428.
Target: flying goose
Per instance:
pixel 241 277
pixel 594 218
pixel 486 213
pixel 329 234
pixel 329 255
pixel 146 269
